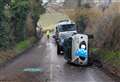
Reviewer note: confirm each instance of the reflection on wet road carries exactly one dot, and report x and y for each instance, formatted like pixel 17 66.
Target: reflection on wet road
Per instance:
pixel 42 64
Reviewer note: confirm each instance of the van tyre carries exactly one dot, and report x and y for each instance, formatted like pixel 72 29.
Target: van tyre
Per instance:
pixel 58 49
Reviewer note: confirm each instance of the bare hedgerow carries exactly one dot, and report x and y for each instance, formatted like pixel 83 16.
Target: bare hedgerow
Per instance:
pixel 108 33
pixel 88 15
pixel 104 25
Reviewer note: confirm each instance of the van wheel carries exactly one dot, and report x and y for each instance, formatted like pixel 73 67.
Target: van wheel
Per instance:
pixel 58 49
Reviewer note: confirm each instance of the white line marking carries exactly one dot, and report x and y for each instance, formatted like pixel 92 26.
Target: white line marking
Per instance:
pixel 51 73
pixel 51 67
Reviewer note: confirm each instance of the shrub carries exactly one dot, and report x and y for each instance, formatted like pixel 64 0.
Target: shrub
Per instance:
pixel 107 34
pixel 84 17
pixel 81 23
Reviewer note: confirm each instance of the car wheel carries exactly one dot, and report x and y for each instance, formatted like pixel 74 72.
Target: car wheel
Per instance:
pixel 69 61
pixel 90 61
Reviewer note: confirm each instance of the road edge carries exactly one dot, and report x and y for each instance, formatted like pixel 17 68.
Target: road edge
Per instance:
pixel 4 64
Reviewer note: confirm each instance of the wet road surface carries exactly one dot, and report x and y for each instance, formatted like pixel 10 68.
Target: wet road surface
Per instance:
pixel 52 67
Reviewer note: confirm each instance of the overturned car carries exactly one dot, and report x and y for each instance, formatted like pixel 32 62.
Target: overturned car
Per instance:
pixel 76 49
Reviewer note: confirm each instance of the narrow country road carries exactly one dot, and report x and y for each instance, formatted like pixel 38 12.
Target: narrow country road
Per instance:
pixel 52 67
pixel 42 64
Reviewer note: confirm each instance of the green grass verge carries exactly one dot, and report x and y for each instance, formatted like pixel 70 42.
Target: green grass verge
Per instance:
pixel 107 56
pixel 21 46
pixel 112 57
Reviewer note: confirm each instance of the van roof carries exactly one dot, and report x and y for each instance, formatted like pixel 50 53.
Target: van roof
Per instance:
pixel 64 22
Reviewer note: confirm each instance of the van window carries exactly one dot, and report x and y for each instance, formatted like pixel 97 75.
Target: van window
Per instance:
pixel 67 27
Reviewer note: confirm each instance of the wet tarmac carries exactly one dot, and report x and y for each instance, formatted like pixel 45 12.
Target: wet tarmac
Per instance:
pixel 42 64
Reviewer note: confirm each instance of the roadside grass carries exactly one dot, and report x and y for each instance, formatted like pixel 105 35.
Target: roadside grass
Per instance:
pixel 6 55
pixel 21 46
pixel 112 57
pixel 110 60
pixel 107 56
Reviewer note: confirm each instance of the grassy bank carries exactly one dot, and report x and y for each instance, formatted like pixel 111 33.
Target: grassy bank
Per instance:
pixel 109 59
pixel 6 55
pixel 107 56
pixel 21 46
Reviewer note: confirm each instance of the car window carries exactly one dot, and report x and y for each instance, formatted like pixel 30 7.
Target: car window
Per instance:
pixel 68 27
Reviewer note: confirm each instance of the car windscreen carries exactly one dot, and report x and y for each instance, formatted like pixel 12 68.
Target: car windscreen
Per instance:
pixel 67 27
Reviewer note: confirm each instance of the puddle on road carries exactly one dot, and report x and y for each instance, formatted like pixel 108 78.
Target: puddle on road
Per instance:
pixel 32 70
